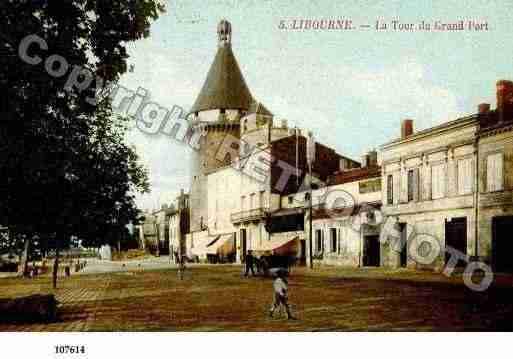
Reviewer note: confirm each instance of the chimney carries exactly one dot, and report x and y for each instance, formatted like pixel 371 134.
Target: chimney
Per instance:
pixel 365 160
pixel 483 108
pixel 504 95
pixel 406 128
pixel 372 158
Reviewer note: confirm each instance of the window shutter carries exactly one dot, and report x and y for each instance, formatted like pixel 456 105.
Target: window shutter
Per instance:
pixel 416 183
pixel 397 186
pixel 426 180
pixel 465 176
pixel 390 189
pixel 404 186
pixel 490 171
pixel 468 177
pixel 438 181
pixel 494 172
pixel 498 172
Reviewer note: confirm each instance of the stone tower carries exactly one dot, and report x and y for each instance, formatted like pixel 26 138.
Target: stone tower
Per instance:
pixel 223 100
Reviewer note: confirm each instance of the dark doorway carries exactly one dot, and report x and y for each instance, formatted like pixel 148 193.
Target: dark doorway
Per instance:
pixel 243 243
pixel 502 244
pixel 302 259
pixel 456 236
pixel 403 255
pixel 371 251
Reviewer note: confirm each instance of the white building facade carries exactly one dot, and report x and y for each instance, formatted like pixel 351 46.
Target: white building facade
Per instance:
pixel 429 182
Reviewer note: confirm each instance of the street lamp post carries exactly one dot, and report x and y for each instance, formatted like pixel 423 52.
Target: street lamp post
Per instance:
pixel 310 157
pixel 118 207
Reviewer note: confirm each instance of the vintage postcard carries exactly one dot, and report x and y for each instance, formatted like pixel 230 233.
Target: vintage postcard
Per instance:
pixel 254 166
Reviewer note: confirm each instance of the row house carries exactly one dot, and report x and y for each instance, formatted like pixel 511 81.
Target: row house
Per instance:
pixel 148 232
pixel 449 188
pixel 179 226
pixel 345 216
pixel 267 223
pixel 429 190
pixel 495 168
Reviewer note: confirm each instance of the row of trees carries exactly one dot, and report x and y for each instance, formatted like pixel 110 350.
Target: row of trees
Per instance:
pixel 65 169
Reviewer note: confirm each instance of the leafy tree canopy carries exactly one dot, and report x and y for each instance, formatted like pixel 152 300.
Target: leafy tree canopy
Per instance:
pixel 65 169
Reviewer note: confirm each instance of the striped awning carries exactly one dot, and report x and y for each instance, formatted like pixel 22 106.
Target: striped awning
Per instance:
pixel 282 246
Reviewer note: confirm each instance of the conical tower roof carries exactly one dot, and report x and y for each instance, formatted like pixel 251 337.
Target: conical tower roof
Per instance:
pixel 224 87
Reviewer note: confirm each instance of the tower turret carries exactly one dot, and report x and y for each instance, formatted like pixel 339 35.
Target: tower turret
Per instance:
pixel 222 101
pixel 225 87
pixel 224 33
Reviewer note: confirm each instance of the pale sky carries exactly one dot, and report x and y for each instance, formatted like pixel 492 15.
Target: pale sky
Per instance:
pixel 352 88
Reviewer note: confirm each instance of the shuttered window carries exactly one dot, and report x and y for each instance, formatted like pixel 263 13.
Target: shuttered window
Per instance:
pixel 416 184
pixel 438 181
pixel 403 187
pixel 397 187
pixel 318 240
pixel 465 176
pixel 494 172
pixel 410 185
pixel 333 239
pixel 390 189
pixel 413 185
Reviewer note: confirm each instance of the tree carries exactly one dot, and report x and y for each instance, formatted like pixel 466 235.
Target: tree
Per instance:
pixel 63 157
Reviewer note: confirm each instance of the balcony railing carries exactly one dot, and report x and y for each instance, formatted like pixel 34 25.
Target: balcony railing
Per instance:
pixel 249 215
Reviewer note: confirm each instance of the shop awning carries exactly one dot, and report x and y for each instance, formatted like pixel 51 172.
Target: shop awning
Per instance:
pixel 282 246
pixel 214 241
pixel 227 247
pixel 214 245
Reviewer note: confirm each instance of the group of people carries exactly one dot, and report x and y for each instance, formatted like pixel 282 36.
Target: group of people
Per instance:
pixel 280 283
pixel 251 261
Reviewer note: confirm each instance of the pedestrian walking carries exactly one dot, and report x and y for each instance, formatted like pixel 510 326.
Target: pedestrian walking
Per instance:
pixel 249 262
pixel 281 299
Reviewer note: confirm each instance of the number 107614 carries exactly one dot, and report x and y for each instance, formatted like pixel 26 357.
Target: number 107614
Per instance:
pixel 70 349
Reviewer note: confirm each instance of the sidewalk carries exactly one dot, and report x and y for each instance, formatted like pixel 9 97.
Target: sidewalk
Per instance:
pixel 97 266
